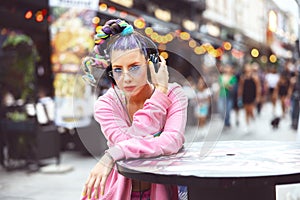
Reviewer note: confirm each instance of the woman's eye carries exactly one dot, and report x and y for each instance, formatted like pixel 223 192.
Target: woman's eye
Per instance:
pixel 117 70
pixel 134 68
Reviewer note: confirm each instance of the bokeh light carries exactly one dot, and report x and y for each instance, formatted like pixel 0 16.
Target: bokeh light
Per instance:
pixel 28 14
pixel 254 53
pixel 273 58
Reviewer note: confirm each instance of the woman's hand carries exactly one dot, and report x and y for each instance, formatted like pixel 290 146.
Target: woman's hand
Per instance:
pixel 98 177
pixel 161 78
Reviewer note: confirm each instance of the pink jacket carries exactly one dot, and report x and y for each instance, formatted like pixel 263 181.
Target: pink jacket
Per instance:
pixel 161 112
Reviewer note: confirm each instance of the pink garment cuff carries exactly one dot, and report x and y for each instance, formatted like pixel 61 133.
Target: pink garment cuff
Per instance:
pixel 116 153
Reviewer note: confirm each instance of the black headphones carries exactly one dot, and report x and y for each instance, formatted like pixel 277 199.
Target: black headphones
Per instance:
pixel 153 57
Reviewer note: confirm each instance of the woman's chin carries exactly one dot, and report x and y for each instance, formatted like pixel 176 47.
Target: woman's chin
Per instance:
pixel 134 92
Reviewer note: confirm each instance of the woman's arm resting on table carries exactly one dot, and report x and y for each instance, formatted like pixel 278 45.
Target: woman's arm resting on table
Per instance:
pixel 170 140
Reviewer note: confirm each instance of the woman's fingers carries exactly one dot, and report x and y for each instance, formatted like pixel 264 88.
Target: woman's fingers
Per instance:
pixel 162 60
pixel 163 65
pixel 96 188
pixel 152 72
pixel 90 186
pixel 84 192
pixel 102 185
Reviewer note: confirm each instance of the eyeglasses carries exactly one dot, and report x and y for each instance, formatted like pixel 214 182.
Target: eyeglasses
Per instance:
pixel 133 71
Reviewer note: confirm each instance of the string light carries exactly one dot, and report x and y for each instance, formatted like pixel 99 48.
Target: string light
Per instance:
pixel 111 10
pixel 139 23
pixel 148 31
pixel 273 58
pixel 28 14
pixel 184 35
pixel 39 16
pixel 192 43
pixel 103 7
pixel 227 46
pixel 264 59
pixel 254 53
pixel 165 55
pixel 123 14
pixel 199 50
pixel 96 20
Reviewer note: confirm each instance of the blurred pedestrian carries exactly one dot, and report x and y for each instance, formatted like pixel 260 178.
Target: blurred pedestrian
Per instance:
pixel 272 78
pixel 281 92
pixel 203 99
pixel 257 71
pixel 249 92
pixel 227 80
pixel 294 96
pixel 236 104
pixel 139 119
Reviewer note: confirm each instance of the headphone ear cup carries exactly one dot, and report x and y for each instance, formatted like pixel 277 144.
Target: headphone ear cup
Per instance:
pixel 109 75
pixel 153 58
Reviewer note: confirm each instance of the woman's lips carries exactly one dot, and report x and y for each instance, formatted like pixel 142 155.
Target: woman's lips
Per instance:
pixel 129 88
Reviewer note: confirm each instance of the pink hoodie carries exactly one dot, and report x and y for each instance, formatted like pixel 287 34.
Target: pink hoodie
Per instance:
pixel 161 112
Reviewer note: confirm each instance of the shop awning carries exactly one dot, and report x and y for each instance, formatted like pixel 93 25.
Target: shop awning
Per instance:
pixel 280 51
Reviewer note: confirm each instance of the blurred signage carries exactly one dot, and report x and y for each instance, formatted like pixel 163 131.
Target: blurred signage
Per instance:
pixel 71 35
pixel 82 4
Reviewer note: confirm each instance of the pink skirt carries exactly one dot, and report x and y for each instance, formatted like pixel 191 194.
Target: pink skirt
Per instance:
pixel 145 195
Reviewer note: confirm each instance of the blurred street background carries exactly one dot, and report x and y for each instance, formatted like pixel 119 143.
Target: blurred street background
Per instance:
pixel 237 60
pixel 67 183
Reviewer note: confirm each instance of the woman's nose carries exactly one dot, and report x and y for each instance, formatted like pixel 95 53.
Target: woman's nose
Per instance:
pixel 127 77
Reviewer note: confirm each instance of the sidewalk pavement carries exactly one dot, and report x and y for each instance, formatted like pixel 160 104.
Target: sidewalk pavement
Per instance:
pixel 19 184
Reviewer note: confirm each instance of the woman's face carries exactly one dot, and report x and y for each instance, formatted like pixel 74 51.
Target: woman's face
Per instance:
pixel 129 70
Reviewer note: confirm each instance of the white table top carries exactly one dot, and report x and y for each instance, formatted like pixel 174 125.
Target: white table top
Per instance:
pixel 226 159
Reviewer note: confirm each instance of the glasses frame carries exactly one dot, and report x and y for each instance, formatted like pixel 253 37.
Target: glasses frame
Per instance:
pixel 110 73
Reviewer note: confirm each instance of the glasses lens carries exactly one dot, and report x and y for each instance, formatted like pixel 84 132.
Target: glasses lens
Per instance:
pixel 133 72
pixel 116 74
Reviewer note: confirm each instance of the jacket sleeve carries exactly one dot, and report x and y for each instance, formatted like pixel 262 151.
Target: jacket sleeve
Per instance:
pixel 170 140
pixel 147 121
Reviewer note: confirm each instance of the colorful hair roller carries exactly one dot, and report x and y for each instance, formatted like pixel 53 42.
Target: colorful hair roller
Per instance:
pixel 96 50
pixel 127 31
pixel 86 63
pixel 99 41
pixel 90 79
pixel 115 29
pixel 106 29
pixel 122 23
pixel 101 35
pixel 100 62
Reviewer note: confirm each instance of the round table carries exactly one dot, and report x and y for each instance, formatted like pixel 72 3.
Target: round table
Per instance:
pixel 227 170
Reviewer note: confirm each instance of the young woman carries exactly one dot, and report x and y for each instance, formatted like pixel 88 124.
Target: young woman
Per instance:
pixel 138 118
pixel 227 80
pixel 249 92
pixel 203 95
pixel 281 92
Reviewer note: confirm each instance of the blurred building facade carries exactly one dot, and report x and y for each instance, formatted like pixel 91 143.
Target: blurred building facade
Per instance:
pixel 193 35
pixel 258 24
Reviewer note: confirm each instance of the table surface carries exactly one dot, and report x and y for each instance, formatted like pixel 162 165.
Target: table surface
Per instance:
pixel 225 159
